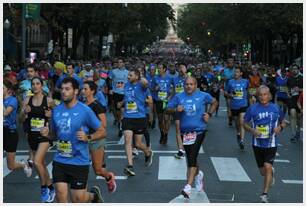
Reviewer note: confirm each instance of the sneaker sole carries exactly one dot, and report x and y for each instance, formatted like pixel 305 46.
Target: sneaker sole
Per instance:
pixel 51 198
pixel 151 160
pixel 128 173
pixel 187 196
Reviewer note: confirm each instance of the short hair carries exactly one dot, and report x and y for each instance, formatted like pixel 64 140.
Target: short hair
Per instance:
pixel 69 63
pixel 92 85
pixel 182 63
pixel 32 66
pixel 136 71
pixel 8 85
pixel 73 81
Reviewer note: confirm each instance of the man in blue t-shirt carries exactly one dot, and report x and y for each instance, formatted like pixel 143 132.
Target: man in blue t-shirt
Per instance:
pixel 134 118
pixel 71 121
pixel 227 74
pixel 118 77
pixel 236 92
pixel 193 119
pixel 267 122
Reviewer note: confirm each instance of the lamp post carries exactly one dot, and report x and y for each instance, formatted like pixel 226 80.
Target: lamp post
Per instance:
pixel 6 26
pixel 23 41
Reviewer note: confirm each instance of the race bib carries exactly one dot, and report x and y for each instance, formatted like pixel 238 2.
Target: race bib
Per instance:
pixel 238 95
pixel 179 89
pixel 264 131
pixel 189 138
pixel 252 91
pixel 64 148
pixel 57 102
pixel 131 107
pixel 162 95
pixel 283 89
pixel 37 124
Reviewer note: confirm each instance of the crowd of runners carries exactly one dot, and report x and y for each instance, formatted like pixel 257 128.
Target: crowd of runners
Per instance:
pixel 64 104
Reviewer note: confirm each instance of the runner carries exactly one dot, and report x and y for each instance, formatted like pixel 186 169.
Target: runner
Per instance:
pixel 162 86
pixel 118 78
pixel 227 74
pixel 134 121
pixel 255 81
pixel 193 120
pixel 295 87
pixel 237 94
pixel 267 122
pixel 282 90
pixel 10 135
pixel 179 84
pixel 71 121
pixel 97 147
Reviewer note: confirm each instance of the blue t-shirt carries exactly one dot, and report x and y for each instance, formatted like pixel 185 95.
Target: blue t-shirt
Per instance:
pixel 66 123
pixel 227 74
pixel 209 77
pixel 10 120
pixel 134 100
pixel 148 94
pixel 164 84
pixel 282 88
pixel 264 119
pixel 179 84
pixel 239 89
pixel 172 76
pixel 119 78
pixel 101 98
pixel 191 119
pixel 152 90
pixel 75 76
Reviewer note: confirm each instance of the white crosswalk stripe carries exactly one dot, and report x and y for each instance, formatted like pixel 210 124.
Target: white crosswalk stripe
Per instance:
pixel 6 171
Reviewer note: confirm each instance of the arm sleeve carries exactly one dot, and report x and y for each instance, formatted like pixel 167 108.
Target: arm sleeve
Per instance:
pixel 208 98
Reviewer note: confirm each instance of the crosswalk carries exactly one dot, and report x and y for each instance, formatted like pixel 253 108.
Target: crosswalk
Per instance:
pixel 170 168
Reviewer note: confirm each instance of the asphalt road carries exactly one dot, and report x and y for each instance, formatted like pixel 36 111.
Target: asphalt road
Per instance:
pixel 230 175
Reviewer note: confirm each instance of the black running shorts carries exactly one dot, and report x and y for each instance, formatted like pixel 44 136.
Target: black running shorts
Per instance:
pixel 263 155
pixel 10 139
pixel 137 125
pixel 236 112
pixel 75 175
pixel 34 141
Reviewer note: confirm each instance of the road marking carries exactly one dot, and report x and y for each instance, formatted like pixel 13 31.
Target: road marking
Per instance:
pixel 292 181
pixel 155 151
pixel 116 157
pixel 171 168
pixel 49 168
pixel 279 160
pixel 195 197
pixel 116 178
pixel 6 171
pixel 121 141
pixel 287 121
pixel 277 154
pixel 229 169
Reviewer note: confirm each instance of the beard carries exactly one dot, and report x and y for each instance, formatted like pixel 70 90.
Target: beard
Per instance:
pixel 67 100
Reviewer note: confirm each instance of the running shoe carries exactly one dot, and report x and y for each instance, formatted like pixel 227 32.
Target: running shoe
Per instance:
pixel 44 194
pixel 149 159
pixel 264 198
pixel 97 195
pixel 51 195
pixel 30 163
pixel 293 139
pixel 111 184
pixel 179 154
pixel 129 170
pixel 26 169
pixel 199 184
pixel 241 145
pixel 186 192
pixel 135 152
pixel 120 133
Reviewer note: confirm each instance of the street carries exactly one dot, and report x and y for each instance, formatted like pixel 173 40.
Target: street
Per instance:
pixel 230 175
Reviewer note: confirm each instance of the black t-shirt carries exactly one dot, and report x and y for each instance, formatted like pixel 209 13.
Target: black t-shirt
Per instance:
pixel 97 108
pixel 295 82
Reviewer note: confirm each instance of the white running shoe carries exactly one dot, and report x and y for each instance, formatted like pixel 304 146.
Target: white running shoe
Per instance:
pixel 26 169
pixel 264 198
pixel 135 152
pixel 199 184
pixel 186 192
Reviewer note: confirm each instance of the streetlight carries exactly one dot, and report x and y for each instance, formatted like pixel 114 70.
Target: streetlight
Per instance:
pixel 6 26
pixel 208 32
